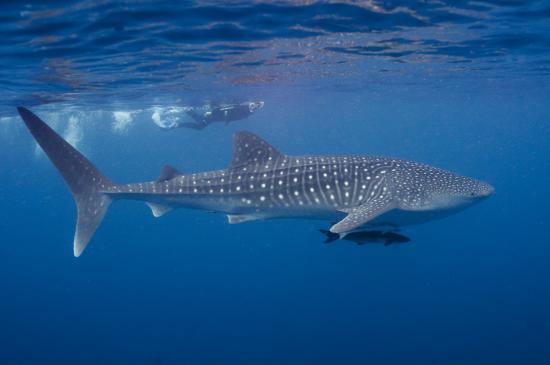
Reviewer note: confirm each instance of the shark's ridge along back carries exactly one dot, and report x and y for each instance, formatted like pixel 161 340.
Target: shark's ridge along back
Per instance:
pixel 83 178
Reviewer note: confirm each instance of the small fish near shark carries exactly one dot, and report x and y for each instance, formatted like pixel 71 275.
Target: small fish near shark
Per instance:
pixel 263 183
pixel 364 237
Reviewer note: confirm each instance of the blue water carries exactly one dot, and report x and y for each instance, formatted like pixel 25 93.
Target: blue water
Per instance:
pixel 456 84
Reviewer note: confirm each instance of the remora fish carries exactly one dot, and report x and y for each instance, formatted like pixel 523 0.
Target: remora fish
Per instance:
pixel 364 237
pixel 263 183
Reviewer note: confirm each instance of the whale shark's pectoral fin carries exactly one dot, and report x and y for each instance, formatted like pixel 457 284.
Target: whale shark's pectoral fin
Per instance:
pixel 159 210
pixel 168 173
pixel 362 214
pixel 239 218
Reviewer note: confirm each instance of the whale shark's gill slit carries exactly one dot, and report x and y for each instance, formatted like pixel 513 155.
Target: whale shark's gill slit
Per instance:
pixel 85 181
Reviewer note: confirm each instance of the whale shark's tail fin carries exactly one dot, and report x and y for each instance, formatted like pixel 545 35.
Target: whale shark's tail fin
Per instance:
pixel 84 180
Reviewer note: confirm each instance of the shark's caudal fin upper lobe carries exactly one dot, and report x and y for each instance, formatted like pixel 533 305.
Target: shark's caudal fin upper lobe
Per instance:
pixel 83 178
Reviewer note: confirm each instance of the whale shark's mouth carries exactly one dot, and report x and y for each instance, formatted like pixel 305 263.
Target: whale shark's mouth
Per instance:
pixel 486 191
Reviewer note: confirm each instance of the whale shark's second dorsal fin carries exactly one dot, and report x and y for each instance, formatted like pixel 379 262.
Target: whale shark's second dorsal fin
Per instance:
pixel 168 173
pixel 249 149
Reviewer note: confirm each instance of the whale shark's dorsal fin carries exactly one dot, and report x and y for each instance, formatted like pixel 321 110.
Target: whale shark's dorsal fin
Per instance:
pixel 168 173
pixel 249 149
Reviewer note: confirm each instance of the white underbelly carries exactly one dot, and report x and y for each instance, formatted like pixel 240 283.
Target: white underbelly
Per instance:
pixel 394 218
pixel 399 217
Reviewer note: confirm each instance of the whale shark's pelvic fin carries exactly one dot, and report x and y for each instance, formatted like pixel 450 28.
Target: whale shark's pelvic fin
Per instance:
pixel 249 149
pixel 363 213
pixel 85 181
pixel 159 210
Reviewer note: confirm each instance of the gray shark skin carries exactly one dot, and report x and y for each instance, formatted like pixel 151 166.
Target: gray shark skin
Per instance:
pixel 263 183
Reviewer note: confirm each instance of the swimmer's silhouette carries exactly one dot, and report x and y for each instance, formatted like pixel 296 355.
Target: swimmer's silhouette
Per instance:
pixel 225 113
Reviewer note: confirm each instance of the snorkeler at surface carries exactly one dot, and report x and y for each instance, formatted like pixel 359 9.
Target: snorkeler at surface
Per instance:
pixel 221 113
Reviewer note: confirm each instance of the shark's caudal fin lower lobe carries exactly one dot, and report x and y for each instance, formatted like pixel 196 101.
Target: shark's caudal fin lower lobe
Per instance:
pixel 83 178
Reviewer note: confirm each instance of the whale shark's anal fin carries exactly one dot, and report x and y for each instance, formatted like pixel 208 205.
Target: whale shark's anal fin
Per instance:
pixel 240 218
pixel 363 213
pixel 85 181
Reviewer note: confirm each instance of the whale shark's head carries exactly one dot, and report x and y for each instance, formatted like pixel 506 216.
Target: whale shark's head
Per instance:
pixel 481 190
pixel 457 192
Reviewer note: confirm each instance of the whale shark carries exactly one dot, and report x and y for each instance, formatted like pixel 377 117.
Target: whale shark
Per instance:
pixel 263 183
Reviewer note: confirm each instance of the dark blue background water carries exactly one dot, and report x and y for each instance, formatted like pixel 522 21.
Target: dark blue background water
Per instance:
pixel 459 85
